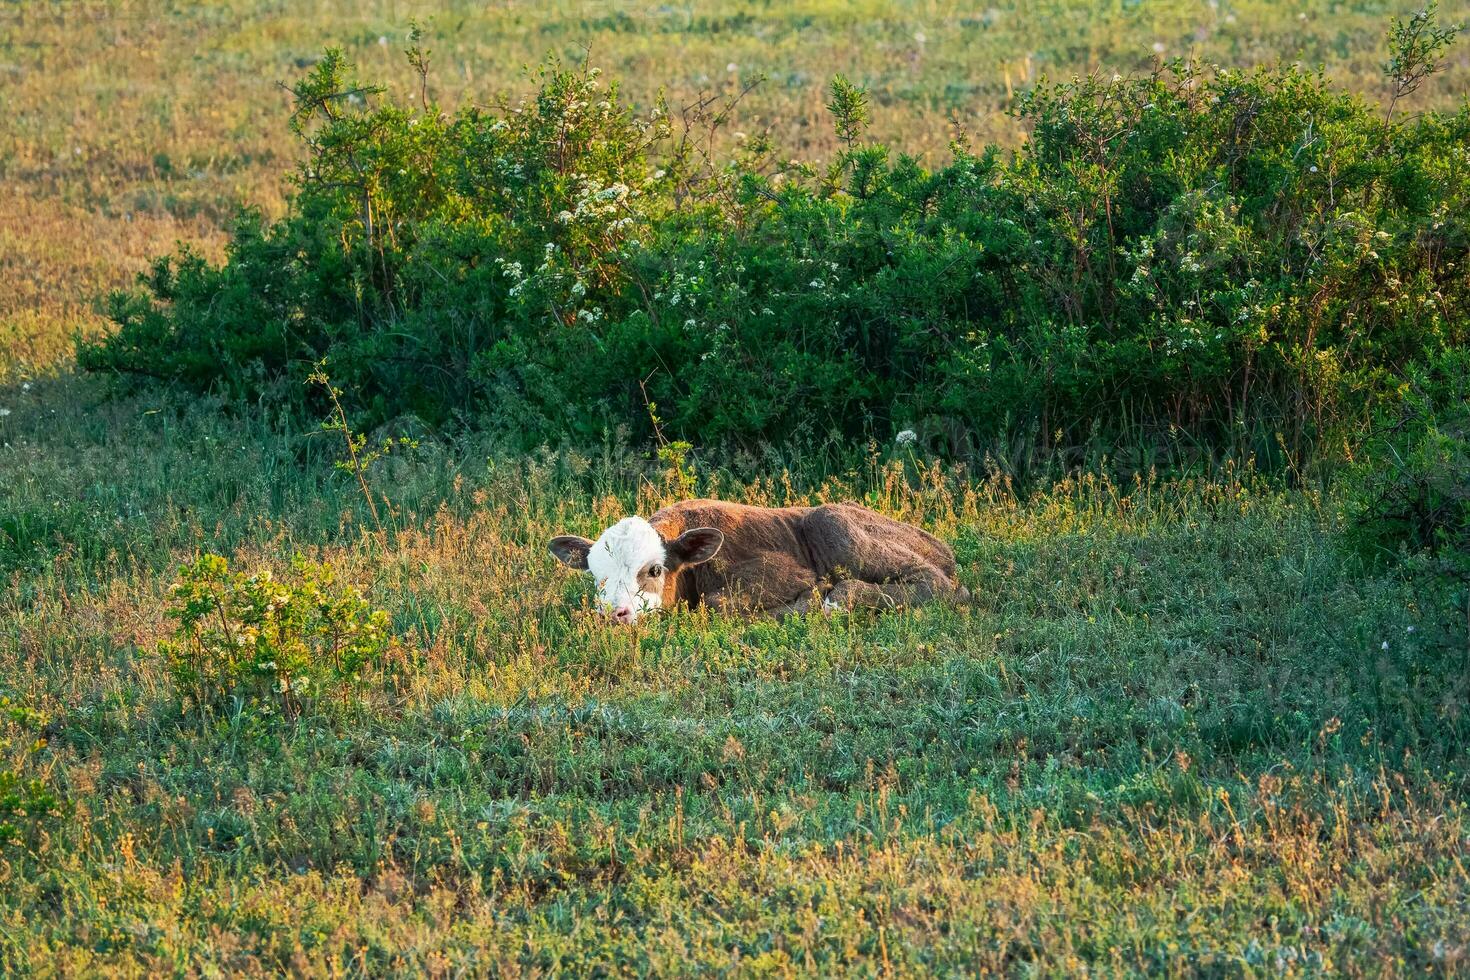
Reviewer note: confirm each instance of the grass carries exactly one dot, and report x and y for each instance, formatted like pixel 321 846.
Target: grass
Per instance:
pixel 1180 730
pixel 1183 729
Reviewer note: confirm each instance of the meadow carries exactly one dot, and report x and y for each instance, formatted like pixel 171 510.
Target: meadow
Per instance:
pixel 1186 727
pixel 1178 731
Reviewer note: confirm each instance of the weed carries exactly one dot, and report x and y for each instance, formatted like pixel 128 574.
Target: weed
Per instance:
pixel 254 638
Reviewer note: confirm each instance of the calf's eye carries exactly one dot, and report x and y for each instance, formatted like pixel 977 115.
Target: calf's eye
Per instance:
pixel 656 570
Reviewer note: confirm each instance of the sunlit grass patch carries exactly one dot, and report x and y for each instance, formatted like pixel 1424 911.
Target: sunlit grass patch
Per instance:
pixel 1179 727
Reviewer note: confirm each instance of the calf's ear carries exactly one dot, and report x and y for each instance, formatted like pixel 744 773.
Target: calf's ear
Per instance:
pixel 695 545
pixel 571 551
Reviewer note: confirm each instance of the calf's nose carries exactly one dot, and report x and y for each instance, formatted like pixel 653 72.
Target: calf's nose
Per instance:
pixel 623 614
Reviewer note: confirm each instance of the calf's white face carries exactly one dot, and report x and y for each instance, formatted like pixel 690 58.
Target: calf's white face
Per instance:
pixel 633 565
pixel 628 563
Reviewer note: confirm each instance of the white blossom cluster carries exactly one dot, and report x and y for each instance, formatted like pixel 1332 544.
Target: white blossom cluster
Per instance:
pixel 595 202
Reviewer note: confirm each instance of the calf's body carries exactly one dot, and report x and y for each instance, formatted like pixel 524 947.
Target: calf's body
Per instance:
pixel 768 560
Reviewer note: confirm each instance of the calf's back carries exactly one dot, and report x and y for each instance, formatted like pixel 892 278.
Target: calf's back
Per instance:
pixel 782 552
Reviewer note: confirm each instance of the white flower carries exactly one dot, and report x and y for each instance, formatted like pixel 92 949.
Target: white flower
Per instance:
pixel 732 67
pixel 906 438
pixel 26 386
pixel 382 40
pixel 4 412
pixel 1158 47
pixel 1385 644
pixel 1408 629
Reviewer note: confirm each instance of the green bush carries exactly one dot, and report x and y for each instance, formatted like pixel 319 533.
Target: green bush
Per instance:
pixel 276 644
pixel 1244 257
pixel 1413 488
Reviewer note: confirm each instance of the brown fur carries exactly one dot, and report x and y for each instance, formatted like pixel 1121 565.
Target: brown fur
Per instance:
pixel 774 560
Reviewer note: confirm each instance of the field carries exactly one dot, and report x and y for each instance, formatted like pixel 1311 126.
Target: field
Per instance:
pixel 1184 728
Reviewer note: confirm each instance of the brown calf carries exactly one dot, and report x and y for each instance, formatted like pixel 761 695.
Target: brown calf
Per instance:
pixel 769 560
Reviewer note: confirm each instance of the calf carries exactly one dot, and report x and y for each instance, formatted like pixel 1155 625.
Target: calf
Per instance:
pixel 766 560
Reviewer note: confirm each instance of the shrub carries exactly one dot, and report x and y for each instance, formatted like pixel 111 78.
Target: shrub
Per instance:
pixel 1231 254
pixel 1413 490
pixel 258 639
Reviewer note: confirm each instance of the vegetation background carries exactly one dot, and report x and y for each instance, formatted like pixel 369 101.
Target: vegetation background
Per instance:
pixel 132 125
pixel 1187 726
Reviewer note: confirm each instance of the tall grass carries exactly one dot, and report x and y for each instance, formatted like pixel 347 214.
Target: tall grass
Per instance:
pixel 1179 729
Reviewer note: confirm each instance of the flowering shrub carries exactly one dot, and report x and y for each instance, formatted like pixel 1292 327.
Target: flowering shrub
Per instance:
pixel 272 642
pixel 1234 255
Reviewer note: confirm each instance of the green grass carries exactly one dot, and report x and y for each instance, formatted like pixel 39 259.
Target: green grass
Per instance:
pixel 1180 729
